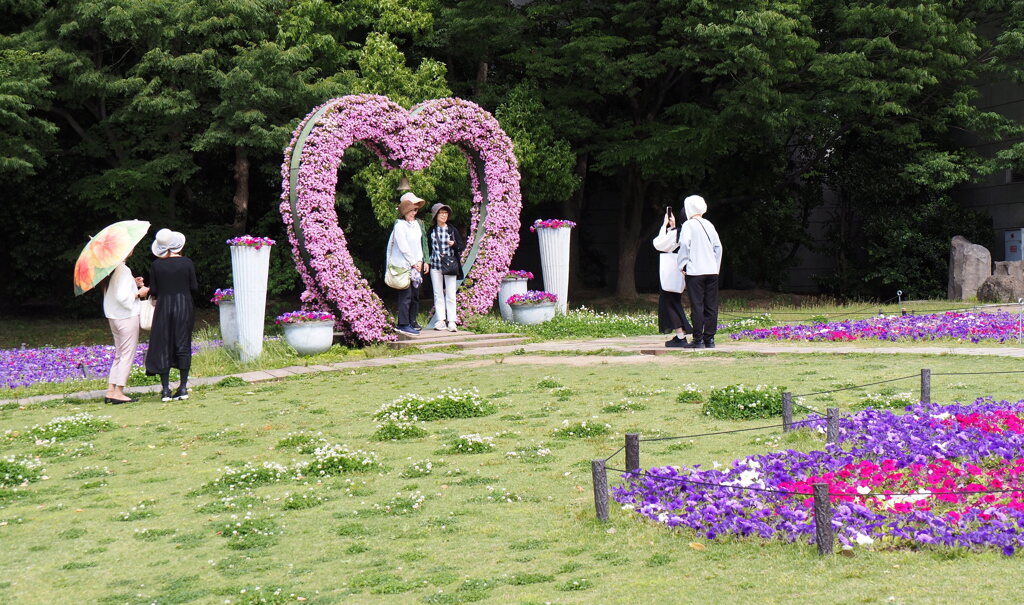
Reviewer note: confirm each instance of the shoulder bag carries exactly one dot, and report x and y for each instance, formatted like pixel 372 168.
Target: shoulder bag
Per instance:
pixel 148 308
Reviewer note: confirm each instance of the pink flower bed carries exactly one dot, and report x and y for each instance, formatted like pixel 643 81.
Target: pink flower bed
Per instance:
pixel 402 139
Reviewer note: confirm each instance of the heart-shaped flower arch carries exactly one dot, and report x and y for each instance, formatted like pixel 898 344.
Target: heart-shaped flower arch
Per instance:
pixel 408 140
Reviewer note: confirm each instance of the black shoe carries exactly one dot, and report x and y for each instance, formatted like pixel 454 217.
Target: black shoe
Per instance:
pixel 181 394
pixel 165 395
pixel 676 342
pixel 696 344
pixel 416 325
pixel 709 342
pixel 113 401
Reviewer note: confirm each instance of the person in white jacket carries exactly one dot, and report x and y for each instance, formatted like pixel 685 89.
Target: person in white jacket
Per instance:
pixel 406 249
pixel 671 315
pixel 700 260
pixel 121 294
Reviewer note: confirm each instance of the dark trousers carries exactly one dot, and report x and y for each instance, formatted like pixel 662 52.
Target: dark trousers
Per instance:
pixel 671 315
pixel 703 291
pixel 408 305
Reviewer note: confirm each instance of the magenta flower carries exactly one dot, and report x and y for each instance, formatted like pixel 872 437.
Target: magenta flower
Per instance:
pixel 551 223
pixel 227 294
pixel 532 297
pixel 517 274
pixel 251 240
pixel 294 317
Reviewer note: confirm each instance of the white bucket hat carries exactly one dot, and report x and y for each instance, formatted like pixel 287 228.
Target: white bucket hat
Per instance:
pixel 694 204
pixel 167 241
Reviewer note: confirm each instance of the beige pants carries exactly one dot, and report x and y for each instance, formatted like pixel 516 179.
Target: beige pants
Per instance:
pixel 126 339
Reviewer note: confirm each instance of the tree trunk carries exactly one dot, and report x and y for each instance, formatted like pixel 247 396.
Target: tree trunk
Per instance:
pixel 241 199
pixel 572 209
pixel 630 217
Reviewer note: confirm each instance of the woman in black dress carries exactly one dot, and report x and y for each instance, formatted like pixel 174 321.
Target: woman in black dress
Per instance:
pixel 172 281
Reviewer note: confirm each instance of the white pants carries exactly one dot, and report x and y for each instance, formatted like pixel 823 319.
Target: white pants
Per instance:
pixel 126 339
pixel 444 297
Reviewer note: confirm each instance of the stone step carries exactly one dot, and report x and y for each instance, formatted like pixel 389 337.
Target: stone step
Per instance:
pixel 467 344
pixel 444 338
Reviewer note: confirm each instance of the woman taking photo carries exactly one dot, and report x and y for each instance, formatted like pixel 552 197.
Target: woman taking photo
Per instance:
pixel 446 245
pixel 172 281
pixel 671 316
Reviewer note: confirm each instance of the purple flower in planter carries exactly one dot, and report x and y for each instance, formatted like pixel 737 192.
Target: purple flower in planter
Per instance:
pixel 532 297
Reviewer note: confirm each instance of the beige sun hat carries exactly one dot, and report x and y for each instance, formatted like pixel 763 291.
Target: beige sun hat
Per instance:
pixel 408 202
pixel 167 241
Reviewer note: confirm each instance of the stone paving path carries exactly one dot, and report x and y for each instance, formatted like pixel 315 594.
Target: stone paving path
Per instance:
pixel 633 344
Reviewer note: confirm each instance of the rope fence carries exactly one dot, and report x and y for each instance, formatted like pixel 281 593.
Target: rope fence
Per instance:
pixel 824 533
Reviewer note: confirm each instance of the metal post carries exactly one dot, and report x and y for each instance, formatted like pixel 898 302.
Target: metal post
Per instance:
pixel 600 488
pixel 823 519
pixel 832 432
pixel 787 411
pixel 926 385
pixel 632 451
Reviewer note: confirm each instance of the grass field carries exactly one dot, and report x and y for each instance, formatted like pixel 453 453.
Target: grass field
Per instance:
pixel 142 509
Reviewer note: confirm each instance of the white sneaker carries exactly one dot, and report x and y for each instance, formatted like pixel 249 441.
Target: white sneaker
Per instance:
pixel 452 328
pixel 440 326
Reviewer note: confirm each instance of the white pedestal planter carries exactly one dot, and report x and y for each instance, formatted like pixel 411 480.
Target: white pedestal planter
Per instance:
pixel 554 260
pixel 249 269
pixel 228 322
pixel 530 314
pixel 508 288
pixel 309 337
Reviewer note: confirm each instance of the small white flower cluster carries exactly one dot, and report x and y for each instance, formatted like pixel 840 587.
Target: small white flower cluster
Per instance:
pixel 632 392
pixel 140 511
pixel 502 495
pixel 895 401
pixel 472 443
pixel 401 505
pixel 624 405
pixel 764 320
pixel 420 468
pixel 68 425
pixel 582 429
pixel 414 408
pixel 530 453
pixel 332 459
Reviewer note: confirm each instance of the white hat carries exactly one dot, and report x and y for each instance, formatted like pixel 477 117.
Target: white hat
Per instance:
pixel 167 241
pixel 694 204
pixel 411 198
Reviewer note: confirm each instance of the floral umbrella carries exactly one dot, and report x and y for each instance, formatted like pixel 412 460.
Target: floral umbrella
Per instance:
pixel 105 250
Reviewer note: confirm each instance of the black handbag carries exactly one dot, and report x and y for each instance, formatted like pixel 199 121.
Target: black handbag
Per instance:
pixel 449 265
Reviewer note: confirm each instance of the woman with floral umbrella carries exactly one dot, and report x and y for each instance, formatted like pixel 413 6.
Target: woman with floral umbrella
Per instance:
pixel 102 262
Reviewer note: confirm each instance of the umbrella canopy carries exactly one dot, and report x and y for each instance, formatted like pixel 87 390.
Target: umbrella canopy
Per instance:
pixel 105 251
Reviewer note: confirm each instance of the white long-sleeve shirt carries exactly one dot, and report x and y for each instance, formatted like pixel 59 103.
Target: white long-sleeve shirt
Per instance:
pixel 121 300
pixel 407 244
pixel 700 249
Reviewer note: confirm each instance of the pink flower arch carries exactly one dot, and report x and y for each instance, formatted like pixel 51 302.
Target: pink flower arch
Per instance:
pixel 408 140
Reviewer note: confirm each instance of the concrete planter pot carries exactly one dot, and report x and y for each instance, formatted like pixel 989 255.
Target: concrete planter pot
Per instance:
pixel 309 337
pixel 228 322
pixel 509 286
pixel 250 268
pixel 554 260
pixel 532 314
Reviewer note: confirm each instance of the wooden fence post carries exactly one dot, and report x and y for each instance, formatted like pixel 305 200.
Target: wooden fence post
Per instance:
pixel 926 385
pixel 823 519
pixel 787 412
pixel 632 452
pixel 600 476
pixel 832 426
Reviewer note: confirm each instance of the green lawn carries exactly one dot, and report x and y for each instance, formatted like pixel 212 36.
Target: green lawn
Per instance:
pixel 141 511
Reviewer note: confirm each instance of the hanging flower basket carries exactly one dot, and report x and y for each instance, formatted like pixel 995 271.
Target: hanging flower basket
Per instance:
pixel 308 332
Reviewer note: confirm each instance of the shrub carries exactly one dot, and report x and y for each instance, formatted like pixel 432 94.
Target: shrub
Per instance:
pixel 450 403
pixel 740 402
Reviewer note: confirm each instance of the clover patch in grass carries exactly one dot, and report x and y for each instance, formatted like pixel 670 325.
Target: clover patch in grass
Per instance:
pixel 247 476
pixel 420 468
pixel 474 443
pixel 525 579
pixel 450 403
pixel 16 471
pixel 393 430
pixel 75 426
pixel 303 501
pixel 143 510
pixel 581 430
pixel 333 460
pixel 151 535
pixel 250 533
pixel 624 405
pixel 304 443
pixel 401 504
pixel 548 382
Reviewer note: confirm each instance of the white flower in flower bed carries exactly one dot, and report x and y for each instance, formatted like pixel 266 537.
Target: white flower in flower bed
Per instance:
pixel 450 403
pixel 473 443
pixel 66 427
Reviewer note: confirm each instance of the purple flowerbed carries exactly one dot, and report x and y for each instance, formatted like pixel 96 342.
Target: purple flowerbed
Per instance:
pixel 966 326
pixel 26 367
pixel 948 475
